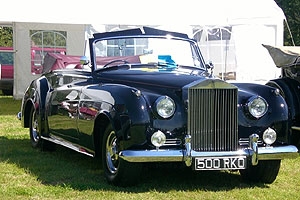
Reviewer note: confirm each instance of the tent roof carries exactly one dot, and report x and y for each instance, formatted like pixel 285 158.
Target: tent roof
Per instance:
pixel 136 12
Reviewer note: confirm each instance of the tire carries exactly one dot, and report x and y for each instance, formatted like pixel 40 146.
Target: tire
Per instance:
pixel 117 171
pixel 34 129
pixel 35 133
pixel 7 92
pixel 265 172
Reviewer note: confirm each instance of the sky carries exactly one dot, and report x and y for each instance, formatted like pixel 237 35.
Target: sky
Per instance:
pixel 138 12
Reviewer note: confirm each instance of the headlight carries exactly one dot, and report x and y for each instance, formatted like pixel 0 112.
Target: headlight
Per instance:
pixel 257 106
pixel 165 106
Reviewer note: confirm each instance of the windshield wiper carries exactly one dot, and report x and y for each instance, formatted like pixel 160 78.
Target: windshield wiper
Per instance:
pixel 168 66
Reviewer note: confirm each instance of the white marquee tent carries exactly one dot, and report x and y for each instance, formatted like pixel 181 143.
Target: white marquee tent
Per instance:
pixel 249 22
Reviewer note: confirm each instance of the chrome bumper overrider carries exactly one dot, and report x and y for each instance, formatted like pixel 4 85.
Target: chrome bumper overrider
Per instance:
pixel 254 153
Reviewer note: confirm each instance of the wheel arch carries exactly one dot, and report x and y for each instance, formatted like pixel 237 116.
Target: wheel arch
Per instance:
pixel 289 89
pixel 100 125
pixel 27 108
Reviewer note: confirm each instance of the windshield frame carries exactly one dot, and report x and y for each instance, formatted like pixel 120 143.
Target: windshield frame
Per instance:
pixel 193 45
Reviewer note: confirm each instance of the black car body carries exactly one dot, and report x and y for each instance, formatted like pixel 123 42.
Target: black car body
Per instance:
pixel 149 97
pixel 287 58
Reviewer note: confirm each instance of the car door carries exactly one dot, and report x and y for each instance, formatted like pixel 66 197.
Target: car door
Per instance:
pixel 63 108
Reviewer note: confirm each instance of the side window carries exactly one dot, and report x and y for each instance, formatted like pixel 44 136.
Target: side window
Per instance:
pixel 43 42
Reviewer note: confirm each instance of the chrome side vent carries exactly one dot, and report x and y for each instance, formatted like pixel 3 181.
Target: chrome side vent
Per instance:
pixel 212 116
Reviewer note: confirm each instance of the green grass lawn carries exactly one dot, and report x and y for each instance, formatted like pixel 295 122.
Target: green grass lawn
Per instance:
pixel 27 173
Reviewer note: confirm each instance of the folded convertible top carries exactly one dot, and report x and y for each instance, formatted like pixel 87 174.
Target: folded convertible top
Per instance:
pixel 284 56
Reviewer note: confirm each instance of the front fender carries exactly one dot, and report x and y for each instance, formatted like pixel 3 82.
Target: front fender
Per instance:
pixel 124 106
pixel 132 115
pixel 276 117
pixel 289 89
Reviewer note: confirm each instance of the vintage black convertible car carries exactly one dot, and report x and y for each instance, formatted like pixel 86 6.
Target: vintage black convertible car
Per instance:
pixel 148 96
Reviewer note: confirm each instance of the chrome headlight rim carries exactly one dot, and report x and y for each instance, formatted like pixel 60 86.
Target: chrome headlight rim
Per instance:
pixel 257 106
pixel 165 107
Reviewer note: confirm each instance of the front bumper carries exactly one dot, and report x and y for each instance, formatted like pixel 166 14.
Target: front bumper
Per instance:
pixel 253 152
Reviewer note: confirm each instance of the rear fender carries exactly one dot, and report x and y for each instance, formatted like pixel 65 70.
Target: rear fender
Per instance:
pixel 35 96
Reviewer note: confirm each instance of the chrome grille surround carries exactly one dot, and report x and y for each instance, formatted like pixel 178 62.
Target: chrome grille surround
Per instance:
pixel 212 116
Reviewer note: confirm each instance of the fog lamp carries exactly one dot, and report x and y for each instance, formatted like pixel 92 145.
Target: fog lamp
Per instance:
pixel 269 136
pixel 158 138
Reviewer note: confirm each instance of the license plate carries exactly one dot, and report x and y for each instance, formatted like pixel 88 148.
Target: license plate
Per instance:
pixel 220 163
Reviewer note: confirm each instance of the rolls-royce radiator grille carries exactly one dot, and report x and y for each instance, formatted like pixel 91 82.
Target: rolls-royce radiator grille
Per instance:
pixel 212 116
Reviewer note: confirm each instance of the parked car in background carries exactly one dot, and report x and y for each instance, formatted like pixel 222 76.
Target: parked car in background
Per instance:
pixel 288 59
pixel 38 54
pixel 148 96
pixel 6 70
pixel 7 64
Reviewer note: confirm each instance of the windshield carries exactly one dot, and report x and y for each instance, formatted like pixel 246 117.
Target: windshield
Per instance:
pixel 142 50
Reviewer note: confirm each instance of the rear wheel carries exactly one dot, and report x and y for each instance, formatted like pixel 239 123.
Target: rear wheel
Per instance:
pixel 7 92
pixel 34 129
pixel 117 171
pixel 265 172
pixel 35 133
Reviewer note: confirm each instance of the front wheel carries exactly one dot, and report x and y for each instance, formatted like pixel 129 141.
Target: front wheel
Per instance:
pixel 265 172
pixel 117 171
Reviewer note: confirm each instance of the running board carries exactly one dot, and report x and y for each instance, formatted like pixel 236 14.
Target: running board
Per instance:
pixel 296 128
pixel 69 145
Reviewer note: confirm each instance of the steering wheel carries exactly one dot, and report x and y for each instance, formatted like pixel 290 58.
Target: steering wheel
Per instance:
pixel 115 61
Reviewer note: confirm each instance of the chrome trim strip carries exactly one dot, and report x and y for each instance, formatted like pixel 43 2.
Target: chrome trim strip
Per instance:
pixel 264 153
pixel 152 155
pixel 296 128
pixel 69 145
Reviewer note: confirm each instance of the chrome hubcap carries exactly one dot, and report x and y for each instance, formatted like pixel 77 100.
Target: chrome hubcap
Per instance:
pixel 35 127
pixel 112 158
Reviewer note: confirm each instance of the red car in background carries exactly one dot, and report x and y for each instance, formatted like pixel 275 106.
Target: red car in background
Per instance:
pixel 6 70
pixel 38 54
pixel 7 64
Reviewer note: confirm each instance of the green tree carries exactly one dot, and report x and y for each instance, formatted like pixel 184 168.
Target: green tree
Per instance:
pixel 292 13
pixel 6 36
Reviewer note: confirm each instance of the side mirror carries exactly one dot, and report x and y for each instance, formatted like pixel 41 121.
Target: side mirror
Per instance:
pixel 209 65
pixel 84 60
